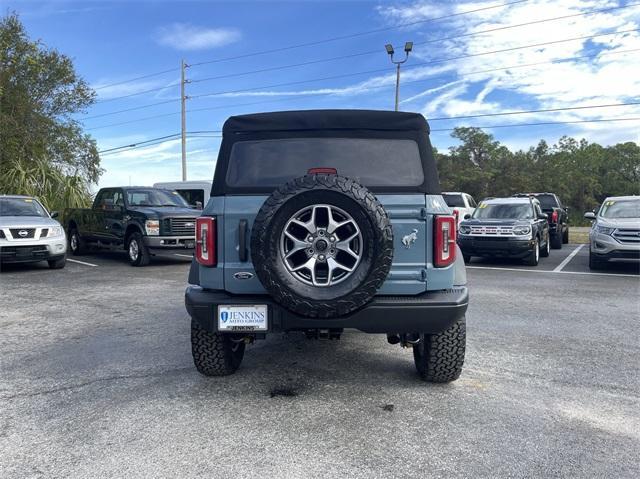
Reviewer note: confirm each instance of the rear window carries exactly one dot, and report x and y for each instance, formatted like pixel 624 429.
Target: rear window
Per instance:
pixel 453 201
pixel 372 162
pixel 547 202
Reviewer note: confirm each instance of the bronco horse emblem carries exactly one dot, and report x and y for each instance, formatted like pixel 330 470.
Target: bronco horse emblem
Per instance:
pixel 409 239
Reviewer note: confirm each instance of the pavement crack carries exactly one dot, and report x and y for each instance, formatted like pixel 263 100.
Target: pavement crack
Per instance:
pixel 71 387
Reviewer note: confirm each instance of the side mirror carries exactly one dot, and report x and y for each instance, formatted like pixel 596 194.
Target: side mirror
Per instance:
pixel 55 214
pixel 467 216
pixel 590 215
pixel 566 208
pixel 543 216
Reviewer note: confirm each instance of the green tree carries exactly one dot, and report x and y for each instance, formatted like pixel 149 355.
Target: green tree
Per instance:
pixel 43 150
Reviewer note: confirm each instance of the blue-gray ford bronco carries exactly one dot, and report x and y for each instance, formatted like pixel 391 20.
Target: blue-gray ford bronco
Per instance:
pixel 325 220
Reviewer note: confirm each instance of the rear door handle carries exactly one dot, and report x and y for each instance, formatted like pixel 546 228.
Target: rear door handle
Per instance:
pixel 242 241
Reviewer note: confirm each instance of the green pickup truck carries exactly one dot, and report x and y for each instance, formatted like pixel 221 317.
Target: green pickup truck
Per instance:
pixel 143 221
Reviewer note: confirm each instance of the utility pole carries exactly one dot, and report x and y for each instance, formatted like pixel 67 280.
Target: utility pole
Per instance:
pixel 183 100
pixel 408 46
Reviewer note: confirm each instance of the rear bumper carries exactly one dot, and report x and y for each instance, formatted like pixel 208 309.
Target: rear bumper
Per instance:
pixel 509 248
pixel 431 312
pixel 159 244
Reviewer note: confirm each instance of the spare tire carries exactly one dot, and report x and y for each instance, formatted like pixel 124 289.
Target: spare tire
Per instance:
pixel 322 245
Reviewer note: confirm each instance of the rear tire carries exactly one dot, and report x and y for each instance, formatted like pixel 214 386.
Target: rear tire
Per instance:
pixel 556 241
pixel 534 256
pixel 137 251
pixel 76 243
pixel 57 263
pixel 439 357
pixel 214 354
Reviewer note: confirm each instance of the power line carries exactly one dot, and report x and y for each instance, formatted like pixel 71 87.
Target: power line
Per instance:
pixel 354 35
pixel 415 65
pixel 545 110
pixel 488 127
pixel 151 90
pixel 137 78
pixel 423 80
pixel 436 40
pixel 138 143
pixel 130 109
pixel 158 140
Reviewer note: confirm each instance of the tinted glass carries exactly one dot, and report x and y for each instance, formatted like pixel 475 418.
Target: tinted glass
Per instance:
pixel 372 162
pixel 454 200
pixel 155 198
pixel 503 211
pixel 191 196
pixel 621 209
pixel 547 201
pixel 21 207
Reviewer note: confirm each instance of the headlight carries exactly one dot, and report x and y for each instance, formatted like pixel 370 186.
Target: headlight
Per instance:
pixel 152 227
pixel 521 230
pixel 464 230
pixel 55 231
pixel 604 230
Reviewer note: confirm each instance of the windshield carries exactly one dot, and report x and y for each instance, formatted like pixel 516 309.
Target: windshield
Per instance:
pixel 21 207
pixel 155 198
pixel 620 209
pixel 453 200
pixel 519 211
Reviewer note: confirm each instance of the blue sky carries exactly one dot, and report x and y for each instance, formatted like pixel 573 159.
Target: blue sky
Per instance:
pixel 112 42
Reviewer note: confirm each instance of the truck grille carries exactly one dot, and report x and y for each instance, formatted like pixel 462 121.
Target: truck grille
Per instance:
pixel 627 235
pixel 492 231
pixel 26 233
pixel 180 226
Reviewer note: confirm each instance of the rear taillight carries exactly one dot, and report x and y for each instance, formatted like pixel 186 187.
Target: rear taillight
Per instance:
pixel 445 241
pixel 456 215
pixel 554 217
pixel 322 171
pixel 206 241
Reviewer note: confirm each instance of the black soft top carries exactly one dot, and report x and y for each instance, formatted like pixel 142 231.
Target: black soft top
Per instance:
pixel 327 124
pixel 326 120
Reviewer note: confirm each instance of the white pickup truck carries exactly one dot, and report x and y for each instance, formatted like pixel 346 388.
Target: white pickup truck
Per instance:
pixel 462 204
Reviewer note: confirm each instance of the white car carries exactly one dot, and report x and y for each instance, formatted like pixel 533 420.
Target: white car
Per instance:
pixel 28 233
pixel 462 204
pixel 195 192
pixel 615 233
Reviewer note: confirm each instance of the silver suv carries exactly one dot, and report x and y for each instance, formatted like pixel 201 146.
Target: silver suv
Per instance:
pixel 615 233
pixel 28 233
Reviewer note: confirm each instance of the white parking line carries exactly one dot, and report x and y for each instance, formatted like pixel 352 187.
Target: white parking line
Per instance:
pixel 81 262
pixel 559 268
pixel 521 270
pixel 183 255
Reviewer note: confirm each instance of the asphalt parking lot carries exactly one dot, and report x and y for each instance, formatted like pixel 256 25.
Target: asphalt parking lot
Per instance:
pixel 96 380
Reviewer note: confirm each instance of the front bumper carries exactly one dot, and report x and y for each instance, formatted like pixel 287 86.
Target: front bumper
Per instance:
pixel 158 244
pixel 605 247
pixel 30 251
pixel 429 313
pixel 505 247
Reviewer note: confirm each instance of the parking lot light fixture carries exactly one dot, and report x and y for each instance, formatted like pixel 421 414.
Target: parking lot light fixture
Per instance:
pixel 408 46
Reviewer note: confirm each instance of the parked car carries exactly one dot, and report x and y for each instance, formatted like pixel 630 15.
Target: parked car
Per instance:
pixel 615 233
pixel 29 234
pixel 196 192
pixel 321 221
pixel 557 217
pixel 506 228
pixel 462 204
pixel 143 221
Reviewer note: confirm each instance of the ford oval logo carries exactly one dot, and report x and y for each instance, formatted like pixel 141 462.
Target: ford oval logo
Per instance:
pixel 189 225
pixel 243 275
pixel 23 233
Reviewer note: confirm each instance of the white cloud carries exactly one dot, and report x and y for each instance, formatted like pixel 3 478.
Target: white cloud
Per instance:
pixel 604 79
pixel 185 36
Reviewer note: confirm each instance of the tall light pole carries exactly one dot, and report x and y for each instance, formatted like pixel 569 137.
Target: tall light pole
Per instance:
pixel 408 46
pixel 183 104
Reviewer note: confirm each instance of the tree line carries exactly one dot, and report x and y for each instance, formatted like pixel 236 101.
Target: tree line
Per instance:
pixel 583 174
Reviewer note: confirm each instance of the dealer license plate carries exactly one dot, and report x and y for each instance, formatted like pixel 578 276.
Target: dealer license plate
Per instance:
pixel 190 244
pixel 253 317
